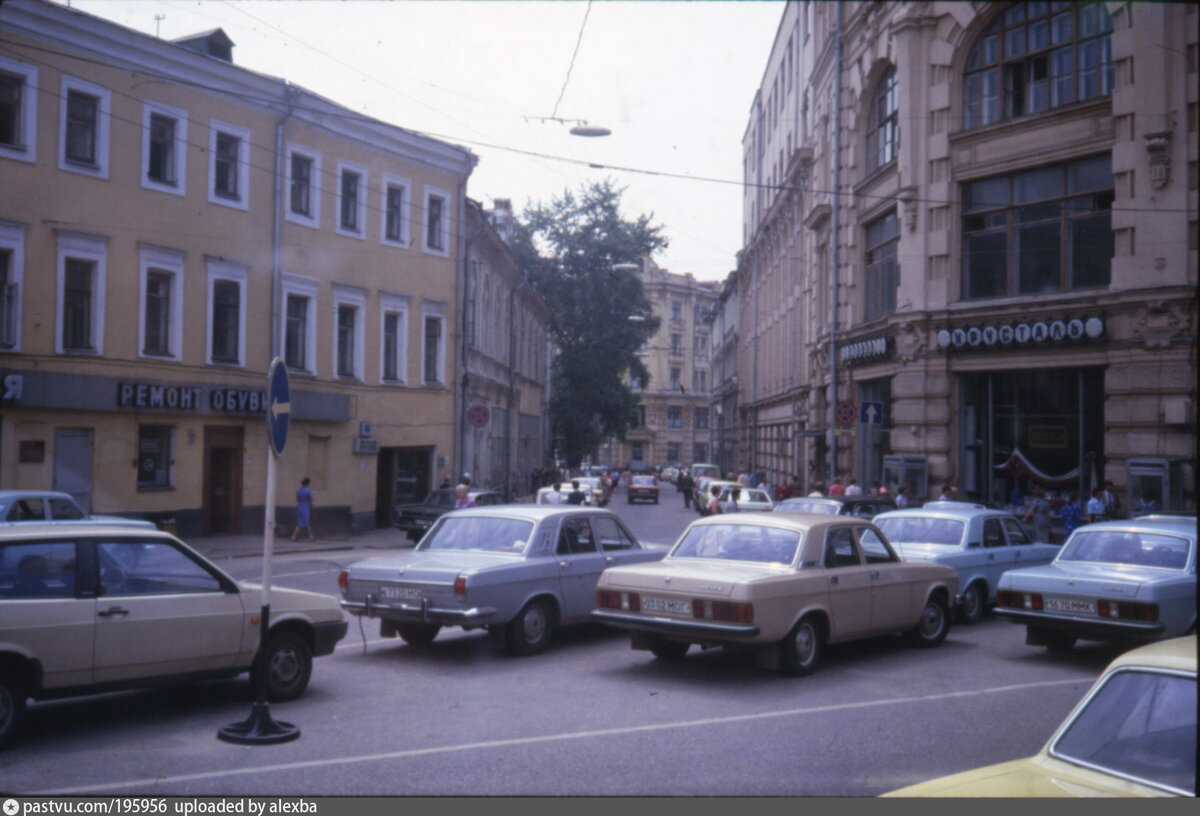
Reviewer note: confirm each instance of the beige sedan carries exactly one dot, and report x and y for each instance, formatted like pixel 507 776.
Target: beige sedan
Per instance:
pixel 784 586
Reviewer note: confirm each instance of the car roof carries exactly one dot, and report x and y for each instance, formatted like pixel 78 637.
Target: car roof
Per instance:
pixel 83 528
pixel 800 522
pixel 1177 653
pixel 1178 525
pixel 12 495
pixel 528 512
pixel 958 512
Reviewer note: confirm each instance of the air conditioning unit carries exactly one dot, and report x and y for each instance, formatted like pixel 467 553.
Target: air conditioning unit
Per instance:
pixel 366 445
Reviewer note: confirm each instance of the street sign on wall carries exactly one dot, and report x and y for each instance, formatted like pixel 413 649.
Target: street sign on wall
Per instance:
pixel 279 405
pixel 871 413
pixel 478 416
pixel 845 413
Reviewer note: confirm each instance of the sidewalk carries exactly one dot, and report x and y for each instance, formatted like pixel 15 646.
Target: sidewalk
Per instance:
pixel 245 546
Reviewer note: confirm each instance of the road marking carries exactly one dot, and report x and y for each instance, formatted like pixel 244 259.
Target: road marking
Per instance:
pixel 147 785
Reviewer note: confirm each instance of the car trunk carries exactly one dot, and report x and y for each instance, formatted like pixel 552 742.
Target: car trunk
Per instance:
pixel 703 578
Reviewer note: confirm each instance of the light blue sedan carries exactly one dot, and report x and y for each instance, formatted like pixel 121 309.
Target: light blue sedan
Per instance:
pixel 979 543
pixel 1122 581
pixel 53 507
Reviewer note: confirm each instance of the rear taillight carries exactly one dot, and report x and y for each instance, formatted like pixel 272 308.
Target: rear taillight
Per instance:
pixel 1019 600
pixel 722 610
pixel 613 599
pixel 460 586
pixel 344 581
pixel 1127 610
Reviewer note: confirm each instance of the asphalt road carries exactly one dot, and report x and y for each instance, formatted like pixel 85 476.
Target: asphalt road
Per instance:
pixel 588 717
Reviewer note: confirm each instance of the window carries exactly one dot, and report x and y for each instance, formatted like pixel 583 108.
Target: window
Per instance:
pixel 433 343
pixel 1047 229
pixel 157 332
pixel 77 305
pixel 229 168
pixel 391 342
pixel 393 353
pixel 150 568
pixel 1037 56
pixel 160 329
pixel 611 535
pixel 12 262
pixel 304 191
pixel 154 456
pixel 352 201
pixel 83 128
pixel 299 339
pixel 65 509
pixel 676 310
pixel 883 128
pixel 700 417
pixel 992 535
pixel 672 452
pixel 1016 533
pixel 639 417
pixel 882 275
pixel 699 380
pixel 874 550
pixel 676 385
pixel 840 549
pixel 674 416
pixel 346 316
pixel 395 227
pixel 226 315
pixel 81 274
pixel 700 346
pixel 437 227
pixel 83 111
pixel 18 110
pixel 700 452
pixel 161 163
pixel 677 344
pixel 349 331
pixel 38 570
pixel 637 452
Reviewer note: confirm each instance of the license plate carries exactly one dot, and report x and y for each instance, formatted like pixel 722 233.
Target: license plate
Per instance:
pixel 393 593
pixel 1070 605
pixel 667 605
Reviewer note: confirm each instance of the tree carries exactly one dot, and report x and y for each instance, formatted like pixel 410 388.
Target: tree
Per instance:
pixel 569 247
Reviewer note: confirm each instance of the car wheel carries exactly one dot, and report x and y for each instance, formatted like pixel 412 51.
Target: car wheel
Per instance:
pixel 12 707
pixel 933 625
pixel 417 634
pixel 973 602
pixel 288 664
pixel 530 631
pixel 801 650
pixel 669 650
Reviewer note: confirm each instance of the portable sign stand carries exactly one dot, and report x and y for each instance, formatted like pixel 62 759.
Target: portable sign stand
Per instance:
pixel 259 728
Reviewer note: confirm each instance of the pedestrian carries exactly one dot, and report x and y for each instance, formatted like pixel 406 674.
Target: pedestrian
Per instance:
pixel 1039 513
pixel 687 487
pixel 466 479
pixel 1112 504
pixel 795 486
pixel 853 489
pixel 1095 506
pixel 730 505
pixel 1071 513
pixel 445 482
pixel 576 496
pixel 714 502
pixel 1147 504
pixel 837 489
pixel 949 493
pixel 818 491
pixel 462 497
pixel 556 495
pixel 883 489
pixel 902 496
pixel 304 509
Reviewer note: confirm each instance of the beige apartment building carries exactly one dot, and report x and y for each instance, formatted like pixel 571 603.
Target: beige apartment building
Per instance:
pixel 674 417
pixel 169 223
pixel 1002 198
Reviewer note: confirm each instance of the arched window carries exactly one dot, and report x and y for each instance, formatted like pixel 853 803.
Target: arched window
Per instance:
pixel 883 129
pixel 1037 56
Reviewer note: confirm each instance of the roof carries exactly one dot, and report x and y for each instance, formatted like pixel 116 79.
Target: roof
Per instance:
pixel 530 512
pixel 77 530
pixel 800 522
pixel 960 513
pixel 10 495
pixel 1179 525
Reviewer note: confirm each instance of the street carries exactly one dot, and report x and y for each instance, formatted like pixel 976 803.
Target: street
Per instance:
pixel 588 717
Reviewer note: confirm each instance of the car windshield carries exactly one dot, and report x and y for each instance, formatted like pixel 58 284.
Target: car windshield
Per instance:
pixel 479 534
pixel 739 542
pixel 1127 547
pixel 806 506
pixel 921 530
pixel 1138 724
pixel 643 480
pixel 441 498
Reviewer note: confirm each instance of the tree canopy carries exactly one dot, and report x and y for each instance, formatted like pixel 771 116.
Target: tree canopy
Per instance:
pixel 569 247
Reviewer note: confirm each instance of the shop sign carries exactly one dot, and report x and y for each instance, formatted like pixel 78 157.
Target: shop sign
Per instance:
pixel 1048 436
pixel 191 398
pixel 11 387
pixel 871 350
pixel 1041 332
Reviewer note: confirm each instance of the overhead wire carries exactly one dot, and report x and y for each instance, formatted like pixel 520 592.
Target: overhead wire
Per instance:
pixel 574 54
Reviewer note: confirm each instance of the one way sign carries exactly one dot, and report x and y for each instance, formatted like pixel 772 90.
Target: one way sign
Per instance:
pixel 871 413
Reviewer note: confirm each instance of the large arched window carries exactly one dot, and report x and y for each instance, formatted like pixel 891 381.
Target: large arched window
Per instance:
pixel 883 129
pixel 1037 56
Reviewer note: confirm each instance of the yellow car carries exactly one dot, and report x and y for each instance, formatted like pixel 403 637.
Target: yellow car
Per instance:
pixel 1134 734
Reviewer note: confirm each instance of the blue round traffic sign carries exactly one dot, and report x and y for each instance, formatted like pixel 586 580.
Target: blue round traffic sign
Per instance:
pixel 279 405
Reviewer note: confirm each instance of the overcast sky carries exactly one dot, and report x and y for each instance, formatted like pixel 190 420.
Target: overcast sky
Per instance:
pixel 673 81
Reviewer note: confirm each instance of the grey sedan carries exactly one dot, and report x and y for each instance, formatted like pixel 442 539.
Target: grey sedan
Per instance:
pixel 518 570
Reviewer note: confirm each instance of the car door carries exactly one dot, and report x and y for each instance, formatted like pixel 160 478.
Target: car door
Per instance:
pixel 616 544
pixel 161 612
pixel 848 583
pixel 893 603
pixel 580 563
pixel 1026 552
pixel 997 554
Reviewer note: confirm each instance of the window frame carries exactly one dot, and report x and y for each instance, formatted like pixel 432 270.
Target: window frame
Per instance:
pixel 350 297
pixel 309 289
pixel 93 249
pixel 394 305
pixel 312 218
pixel 674 416
pixel 431 309
pixel 25 149
pixel 218 271
pixel 241 201
pixel 98 168
pixel 387 183
pixel 444 224
pixel 168 454
pixel 153 259
pixel 359 230
pixel 12 242
pixel 178 158
pixel 883 132
pixel 875 261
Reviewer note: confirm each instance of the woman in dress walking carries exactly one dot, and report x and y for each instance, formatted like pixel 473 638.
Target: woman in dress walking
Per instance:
pixel 304 498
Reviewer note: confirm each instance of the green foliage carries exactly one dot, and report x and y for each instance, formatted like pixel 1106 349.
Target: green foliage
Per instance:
pixel 569 248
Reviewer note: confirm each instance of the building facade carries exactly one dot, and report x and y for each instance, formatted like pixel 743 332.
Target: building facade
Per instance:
pixel 169 224
pixel 505 359
pixel 674 416
pixel 723 406
pixel 1002 200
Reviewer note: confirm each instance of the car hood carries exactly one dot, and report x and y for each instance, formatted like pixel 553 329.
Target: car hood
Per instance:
pixel 916 551
pixel 1087 578
pixel 1026 778
pixel 432 566
pixel 701 577
pixel 284 601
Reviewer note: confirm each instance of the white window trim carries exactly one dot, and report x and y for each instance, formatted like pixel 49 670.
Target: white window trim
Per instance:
pixel 434 309
pixel 222 270
pixel 313 220
pixel 434 192
pixel 242 202
pixel 405 211
pixel 350 296
pixel 104 109
pixel 27 150
pixel 394 304
pixel 12 238
pixel 168 260
pixel 303 286
pixel 89 248
pixel 361 232
pixel 179 188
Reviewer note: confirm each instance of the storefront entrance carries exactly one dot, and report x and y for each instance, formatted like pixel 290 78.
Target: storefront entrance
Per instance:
pixel 222 480
pixel 402 476
pixel 73 464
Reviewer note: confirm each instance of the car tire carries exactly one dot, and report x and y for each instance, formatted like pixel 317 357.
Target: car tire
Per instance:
pixel 801 650
pixel 530 631
pixel 670 651
pixel 418 634
pixel 933 625
pixel 12 707
pixel 288 663
pixel 973 604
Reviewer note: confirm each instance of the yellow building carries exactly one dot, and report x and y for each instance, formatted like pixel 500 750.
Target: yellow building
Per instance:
pixel 169 223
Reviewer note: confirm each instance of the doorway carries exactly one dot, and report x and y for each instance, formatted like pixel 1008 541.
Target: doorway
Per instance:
pixel 222 480
pixel 73 464
pixel 402 476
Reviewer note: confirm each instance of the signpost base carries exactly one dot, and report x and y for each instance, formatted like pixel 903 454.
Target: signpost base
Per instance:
pixel 259 729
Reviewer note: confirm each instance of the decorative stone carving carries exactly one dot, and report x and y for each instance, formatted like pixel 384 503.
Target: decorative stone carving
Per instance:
pixel 1157 323
pixel 1158 145
pixel 907 196
pixel 910 340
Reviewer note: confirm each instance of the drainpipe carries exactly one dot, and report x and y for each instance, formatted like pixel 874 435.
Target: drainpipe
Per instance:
pixel 460 381
pixel 277 224
pixel 835 254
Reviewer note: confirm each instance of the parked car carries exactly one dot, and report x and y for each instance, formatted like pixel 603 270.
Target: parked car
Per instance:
pixel 416 519
pixel 519 571
pixel 864 507
pixel 1125 581
pixel 704 492
pixel 704 470
pixel 670 474
pixel 97 607
pixel 643 486
pixel 980 544
pixel 53 507
pixel 784 586
pixel 593 486
pixel 1133 734
pixel 750 499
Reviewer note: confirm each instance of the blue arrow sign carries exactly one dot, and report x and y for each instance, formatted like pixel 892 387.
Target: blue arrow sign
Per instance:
pixel 279 405
pixel 871 413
